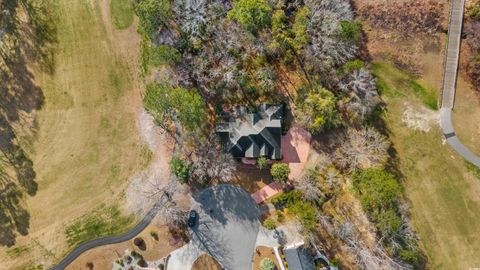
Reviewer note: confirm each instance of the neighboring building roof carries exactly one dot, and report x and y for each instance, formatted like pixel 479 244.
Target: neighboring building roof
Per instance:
pixel 253 135
pixel 298 259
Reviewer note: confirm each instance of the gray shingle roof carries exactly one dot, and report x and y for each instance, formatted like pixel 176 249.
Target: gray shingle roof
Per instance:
pixel 298 259
pixel 253 135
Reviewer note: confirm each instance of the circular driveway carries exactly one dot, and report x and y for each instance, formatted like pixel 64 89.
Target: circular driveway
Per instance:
pixel 227 226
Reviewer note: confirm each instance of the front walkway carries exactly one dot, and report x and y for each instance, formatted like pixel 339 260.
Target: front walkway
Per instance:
pixel 295 150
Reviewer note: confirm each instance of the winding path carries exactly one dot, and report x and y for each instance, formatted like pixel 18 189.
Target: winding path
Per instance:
pixel 447 104
pixel 450 79
pixel 111 239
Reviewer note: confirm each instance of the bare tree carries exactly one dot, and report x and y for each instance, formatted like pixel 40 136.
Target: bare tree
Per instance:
pixel 360 86
pixel 366 256
pixel 211 163
pixel 327 50
pixel 362 149
pixel 308 185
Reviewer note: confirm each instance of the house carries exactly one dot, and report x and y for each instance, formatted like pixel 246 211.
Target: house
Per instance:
pixel 298 258
pixel 253 135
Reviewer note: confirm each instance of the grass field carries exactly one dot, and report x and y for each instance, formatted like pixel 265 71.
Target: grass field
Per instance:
pixel 86 145
pixel 122 13
pixel 443 193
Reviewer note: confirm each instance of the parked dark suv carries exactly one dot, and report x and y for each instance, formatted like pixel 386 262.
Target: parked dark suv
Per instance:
pixel 192 218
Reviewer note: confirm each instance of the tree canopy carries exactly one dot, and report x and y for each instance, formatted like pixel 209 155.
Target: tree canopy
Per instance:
pixel 378 189
pixel 317 110
pixel 167 104
pixel 280 172
pixel 252 14
pixel 152 14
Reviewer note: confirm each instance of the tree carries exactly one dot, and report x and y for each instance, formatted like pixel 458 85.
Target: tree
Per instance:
pixel 280 172
pixel 210 162
pixel 299 29
pixel 351 30
pixel 308 185
pixel 267 264
pixel 361 149
pixel 378 189
pixel 269 224
pixel 361 89
pixel 164 54
pixel 327 49
pixel 180 169
pixel 317 110
pixel 261 162
pixel 152 14
pixel 280 31
pixel 252 14
pixel 168 104
pixel 140 243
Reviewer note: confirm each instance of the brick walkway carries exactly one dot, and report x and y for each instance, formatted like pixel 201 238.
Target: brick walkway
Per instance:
pixel 295 150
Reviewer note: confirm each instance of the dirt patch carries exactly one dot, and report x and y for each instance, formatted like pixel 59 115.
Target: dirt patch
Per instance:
pixel 403 30
pixel 104 257
pixel 420 118
pixel 262 253
pixel 206 262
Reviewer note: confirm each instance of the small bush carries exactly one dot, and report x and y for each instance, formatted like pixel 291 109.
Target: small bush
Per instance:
pixel 409 256
pixel 269 224
pixel 334 262
pixel 267 264
pixel 142 263
pixel 280 216
pixel 154 235
pixel 280 172
pixel 350 30
pixel 140 243
pixel 261 162
pixel 164 54
pixel 287 198
pixel 180 169
pixel 473 169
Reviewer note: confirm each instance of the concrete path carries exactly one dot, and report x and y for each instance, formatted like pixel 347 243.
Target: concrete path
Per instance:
pixel 450 80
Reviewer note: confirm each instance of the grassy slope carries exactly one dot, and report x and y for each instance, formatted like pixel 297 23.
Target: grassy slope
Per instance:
pixel 443 193
pixel 122 13
pixel 87 144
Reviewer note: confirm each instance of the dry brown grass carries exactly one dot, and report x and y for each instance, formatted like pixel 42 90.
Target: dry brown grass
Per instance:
pixel 262 253
pixel 103 257
pixel 87 143
pixel 441 191
pixel 206 262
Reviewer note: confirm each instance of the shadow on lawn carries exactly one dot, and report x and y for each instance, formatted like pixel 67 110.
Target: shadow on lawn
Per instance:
pixel 28 37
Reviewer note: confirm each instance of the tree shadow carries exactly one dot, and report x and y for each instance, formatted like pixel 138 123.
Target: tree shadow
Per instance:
pixel 28 38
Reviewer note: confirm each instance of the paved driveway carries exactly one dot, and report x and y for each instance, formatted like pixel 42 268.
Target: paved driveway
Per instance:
pixel 228 225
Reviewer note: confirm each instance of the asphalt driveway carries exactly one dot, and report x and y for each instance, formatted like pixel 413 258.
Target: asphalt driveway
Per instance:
pixel 228 225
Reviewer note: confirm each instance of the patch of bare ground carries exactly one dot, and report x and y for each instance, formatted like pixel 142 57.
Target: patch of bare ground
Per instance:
pixel 262 253
pixel 420 118
pixel 206 262
pixel 158 243
pixel 403 30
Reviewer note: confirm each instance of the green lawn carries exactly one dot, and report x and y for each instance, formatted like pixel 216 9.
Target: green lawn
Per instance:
pixel 122 13
pixel 100 222
pixel 393 82
pixel 443 193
